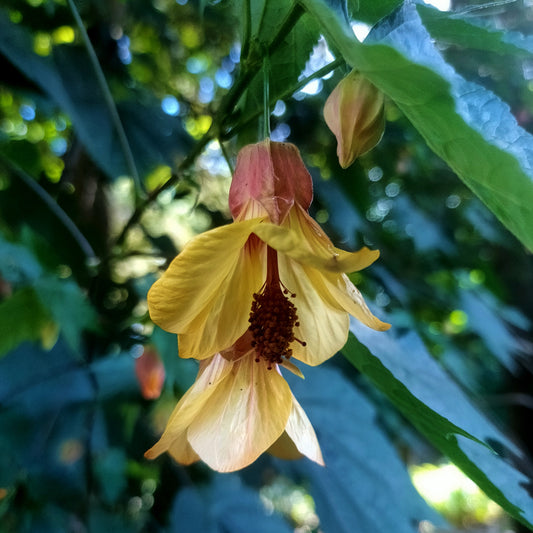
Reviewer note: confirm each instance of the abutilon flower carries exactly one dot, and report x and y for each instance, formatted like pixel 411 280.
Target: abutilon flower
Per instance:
pixel 355 113
pixel 248 298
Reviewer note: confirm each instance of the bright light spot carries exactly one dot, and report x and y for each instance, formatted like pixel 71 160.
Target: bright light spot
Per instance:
pixel 458 318
pixel 279 109
pixel 195 65
pixel 313 87
pixel 63 34
pixel 441 5
pixel 477 276
pixel 375 174
pixel 170 105
pixel 223 78
pixel 27 112
pixel 281 133
pixel 206 92
pixel 453 201
pixel 452 493
pixel 361 30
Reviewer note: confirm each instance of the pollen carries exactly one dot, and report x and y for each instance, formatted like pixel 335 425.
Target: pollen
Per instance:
pixel 272 321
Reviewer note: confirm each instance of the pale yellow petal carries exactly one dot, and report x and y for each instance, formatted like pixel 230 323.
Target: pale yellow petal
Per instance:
pixel 226 318
pixel 202 285
pixel 291 367
pixel 324 324
pixel 174 437
pixel 301 432
pixel 348 296
pixel 302 239
pixel 244 416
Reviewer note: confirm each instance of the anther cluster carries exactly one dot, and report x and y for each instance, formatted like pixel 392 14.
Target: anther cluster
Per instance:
pixel 272 320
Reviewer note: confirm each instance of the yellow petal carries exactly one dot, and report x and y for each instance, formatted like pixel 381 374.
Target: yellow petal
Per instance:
pixel 226 318
pixel 209 282
pixel 302 239
pixel 244 416
pixel 348 296
pixel 323 322
pixel 174 439
pixel 291 367
pixel 301 432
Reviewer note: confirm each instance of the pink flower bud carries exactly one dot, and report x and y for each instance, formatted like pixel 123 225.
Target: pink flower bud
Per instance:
pixel 354 112
pixel 273 175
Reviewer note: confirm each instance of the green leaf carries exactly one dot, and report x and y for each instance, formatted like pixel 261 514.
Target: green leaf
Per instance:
pixel 68 306
pixel 22 318
pixel 370 11
pixel 227 505
pixel 465 124
pixel 473 33
pixel 286 65
pixel 415 383
pixel 357 454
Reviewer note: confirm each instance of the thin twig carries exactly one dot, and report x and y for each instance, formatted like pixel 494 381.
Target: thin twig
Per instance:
pixel 110 103
pixel 52 205
pixel 228 103
pixel 245 121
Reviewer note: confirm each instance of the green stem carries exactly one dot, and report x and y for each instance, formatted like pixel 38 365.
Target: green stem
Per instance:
pixel 110 103
pixel 226 156
pixel 266 96
pixel 245 121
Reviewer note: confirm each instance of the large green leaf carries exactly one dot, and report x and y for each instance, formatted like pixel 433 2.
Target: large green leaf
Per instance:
pixel 364 486
pixel 471 33
pixel 418 386
pixel 465 124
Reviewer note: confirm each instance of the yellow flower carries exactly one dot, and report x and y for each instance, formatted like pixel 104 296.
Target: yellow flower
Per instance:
pixel 237 409
pixel 246 298
pixel 354 112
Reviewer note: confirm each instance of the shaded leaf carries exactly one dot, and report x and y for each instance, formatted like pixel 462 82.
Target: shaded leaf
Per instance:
pixel 364 485
pixel 227 505
pixel 415 383
pixel 22 318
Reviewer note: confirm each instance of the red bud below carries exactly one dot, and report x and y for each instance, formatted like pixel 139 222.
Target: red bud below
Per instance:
pixel 354 112
pixel 150 373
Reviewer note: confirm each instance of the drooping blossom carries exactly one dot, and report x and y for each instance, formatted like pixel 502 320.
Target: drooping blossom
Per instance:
pixel 355 113
pixel 248 298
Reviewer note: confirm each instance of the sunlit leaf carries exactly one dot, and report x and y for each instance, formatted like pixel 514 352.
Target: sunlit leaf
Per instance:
pixel 449 27
pixel 465 124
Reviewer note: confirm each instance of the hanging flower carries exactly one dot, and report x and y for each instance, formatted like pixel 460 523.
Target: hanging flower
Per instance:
pixel 247 298
pixel 354 112
pixel 237 409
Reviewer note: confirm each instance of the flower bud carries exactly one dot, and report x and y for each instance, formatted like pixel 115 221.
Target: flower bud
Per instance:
pixel 354 112
pixel 270 177
pixel 150 373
